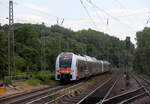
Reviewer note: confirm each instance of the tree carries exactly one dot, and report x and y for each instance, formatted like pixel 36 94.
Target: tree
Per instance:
pixel 142 56
pixel 59 39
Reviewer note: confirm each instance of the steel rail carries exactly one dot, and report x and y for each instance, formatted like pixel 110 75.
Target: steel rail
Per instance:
pixel 6 98
pixel 23 99
pixel 122 97
pixel 75 98
pixel 142 85
pixel 54 94
pixel 101 88
pixel 144 94
pixel 110 90
pixel 134 98
pixel 94 91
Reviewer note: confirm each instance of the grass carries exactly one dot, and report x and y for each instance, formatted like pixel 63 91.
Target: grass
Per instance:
pixel 33 82
pixel 41 77
pixel 19 83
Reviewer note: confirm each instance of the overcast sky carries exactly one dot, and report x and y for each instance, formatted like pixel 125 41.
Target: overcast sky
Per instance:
pixel 119 18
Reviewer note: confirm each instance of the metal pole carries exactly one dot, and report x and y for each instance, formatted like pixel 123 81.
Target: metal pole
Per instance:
pixel 43 54
pixel 11 42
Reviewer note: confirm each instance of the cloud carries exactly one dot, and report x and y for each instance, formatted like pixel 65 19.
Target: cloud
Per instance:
pixel 30 18
pixel 120 28
pixel 3 20
pixel 39 9
pixel 126 27
pixel 122 12
pixel 128 18
pixel 36 8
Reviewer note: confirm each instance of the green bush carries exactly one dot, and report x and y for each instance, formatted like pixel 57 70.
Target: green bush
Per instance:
pixel 34 82
pixel 53 76
pixel 7 81
pixel 44 76
pixel 18 72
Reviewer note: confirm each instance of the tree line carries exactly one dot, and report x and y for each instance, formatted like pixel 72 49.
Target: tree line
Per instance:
pixel 59 39
pixel 142 53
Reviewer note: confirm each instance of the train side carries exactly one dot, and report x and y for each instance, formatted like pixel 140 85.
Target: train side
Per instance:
pixel 70 66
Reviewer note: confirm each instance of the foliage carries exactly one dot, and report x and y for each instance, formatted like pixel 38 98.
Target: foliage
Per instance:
pixel 57 40
pixel 142 53
pixel 33 82
pixel 7 81
pixel 44 76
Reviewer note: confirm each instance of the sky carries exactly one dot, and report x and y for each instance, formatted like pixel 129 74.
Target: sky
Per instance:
pixel 119 18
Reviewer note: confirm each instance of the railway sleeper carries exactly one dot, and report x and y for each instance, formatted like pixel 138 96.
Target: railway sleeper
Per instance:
pixel 122 97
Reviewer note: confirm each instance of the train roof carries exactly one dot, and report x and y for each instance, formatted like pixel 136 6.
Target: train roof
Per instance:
pixel 85 58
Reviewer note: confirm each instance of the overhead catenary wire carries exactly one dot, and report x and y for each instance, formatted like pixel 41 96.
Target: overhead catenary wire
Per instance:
pixel 113 17
pixel 54 16
pixel 88 13
pixel 45 13
pixel 97 14
pixel 91 18
pixel 27 20
pixel 107 20
pixel 121 5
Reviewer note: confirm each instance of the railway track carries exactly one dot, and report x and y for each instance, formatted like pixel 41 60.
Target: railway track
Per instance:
pixel 52 96
pixel 23 97
pixel 145 84
pixel 70 95
pixel 131 96
pixel 47 94
pixel 84 93
pixel 74 96
pixel 101 91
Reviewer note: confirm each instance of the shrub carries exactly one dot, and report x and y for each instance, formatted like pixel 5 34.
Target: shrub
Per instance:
pixel 7 81
pixel 34 82
pixel 18 72
pixel 44 76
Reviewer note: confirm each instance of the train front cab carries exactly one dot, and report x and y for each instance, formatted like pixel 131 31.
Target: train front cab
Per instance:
pixel 64 71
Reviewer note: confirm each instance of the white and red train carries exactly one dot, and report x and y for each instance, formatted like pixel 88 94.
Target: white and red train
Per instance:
pixel 70 66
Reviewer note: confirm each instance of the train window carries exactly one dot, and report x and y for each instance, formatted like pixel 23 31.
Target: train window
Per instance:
pixel 65 60
pixel 81 66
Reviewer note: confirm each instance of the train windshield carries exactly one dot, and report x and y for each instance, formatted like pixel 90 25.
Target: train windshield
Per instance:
pixel 65 60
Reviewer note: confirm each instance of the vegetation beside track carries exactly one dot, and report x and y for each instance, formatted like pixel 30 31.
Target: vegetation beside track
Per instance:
pixel 36 78
pixel 58 39
pixel 142 53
